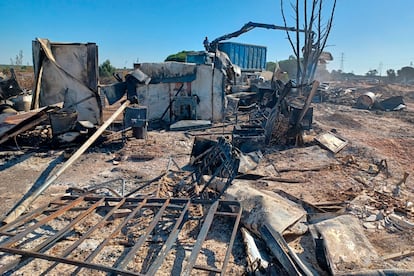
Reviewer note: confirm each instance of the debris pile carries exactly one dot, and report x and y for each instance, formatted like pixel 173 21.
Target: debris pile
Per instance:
pixel 9 87
pixel 360 98
pixel 127 236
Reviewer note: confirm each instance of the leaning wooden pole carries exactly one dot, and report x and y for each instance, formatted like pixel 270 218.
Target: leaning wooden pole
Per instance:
pixel 19 209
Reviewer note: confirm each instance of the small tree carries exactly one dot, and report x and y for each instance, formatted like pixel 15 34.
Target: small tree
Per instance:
pixel 270 66
pixel 179 57
pixel 6 70
pixel 106 69
pixel 18 60
pixel 371 73
pixel 289 65
pixel 391 75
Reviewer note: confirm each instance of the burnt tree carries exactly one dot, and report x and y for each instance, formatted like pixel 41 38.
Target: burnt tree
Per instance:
pixel 309 45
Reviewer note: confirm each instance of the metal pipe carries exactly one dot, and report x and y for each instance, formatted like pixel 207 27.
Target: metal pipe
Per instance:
pixel 18 210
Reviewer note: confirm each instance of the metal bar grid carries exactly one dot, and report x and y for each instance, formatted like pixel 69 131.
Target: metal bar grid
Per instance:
pixel 56 232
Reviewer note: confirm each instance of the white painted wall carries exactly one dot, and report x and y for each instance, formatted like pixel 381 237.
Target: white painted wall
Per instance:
pixel 211 93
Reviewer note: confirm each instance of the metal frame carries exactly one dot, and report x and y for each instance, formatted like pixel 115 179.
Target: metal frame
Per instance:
pixel 27 238
pixel 221 160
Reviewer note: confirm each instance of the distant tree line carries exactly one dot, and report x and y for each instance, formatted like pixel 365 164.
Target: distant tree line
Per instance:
pixel 106 69
pixel 403 75
pixel 288 66
pixel 180 56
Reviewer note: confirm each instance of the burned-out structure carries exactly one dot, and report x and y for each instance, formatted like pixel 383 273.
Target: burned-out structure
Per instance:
pixel 65 92
pixel 173 91
pixel 232 173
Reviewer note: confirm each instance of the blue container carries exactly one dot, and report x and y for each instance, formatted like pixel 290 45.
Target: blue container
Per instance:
pixel 247 57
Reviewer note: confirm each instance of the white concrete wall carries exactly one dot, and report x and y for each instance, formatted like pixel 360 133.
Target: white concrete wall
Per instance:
pixel 211 93
pixel 157 96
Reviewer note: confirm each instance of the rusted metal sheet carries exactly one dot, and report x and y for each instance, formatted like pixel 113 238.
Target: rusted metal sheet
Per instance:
pixel 121 235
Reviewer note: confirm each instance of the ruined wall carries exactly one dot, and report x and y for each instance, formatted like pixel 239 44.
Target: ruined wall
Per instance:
pixel 209 87
pixel 67 72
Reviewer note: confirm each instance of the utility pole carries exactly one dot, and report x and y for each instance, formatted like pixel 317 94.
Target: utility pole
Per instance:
pixel 380 68
pixel 380 71
pixel 342 62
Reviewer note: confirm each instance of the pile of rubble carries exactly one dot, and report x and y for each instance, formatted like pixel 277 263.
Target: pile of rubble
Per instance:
pixel 256 181
pixel 368 97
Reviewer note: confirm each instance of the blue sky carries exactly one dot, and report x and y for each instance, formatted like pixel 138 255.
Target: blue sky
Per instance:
pixel 371 34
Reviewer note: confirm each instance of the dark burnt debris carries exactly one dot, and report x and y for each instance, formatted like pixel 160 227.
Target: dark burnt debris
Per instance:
pixel 9 87
pixel 247 130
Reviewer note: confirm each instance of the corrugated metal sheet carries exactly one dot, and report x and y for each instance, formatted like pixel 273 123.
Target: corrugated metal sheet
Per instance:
pixel 247 57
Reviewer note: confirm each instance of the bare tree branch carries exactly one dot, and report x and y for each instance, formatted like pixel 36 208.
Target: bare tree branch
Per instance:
pixel 298 71
pixel 315 38
pixel 306 47
pixel 329 25
pixel 284 22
